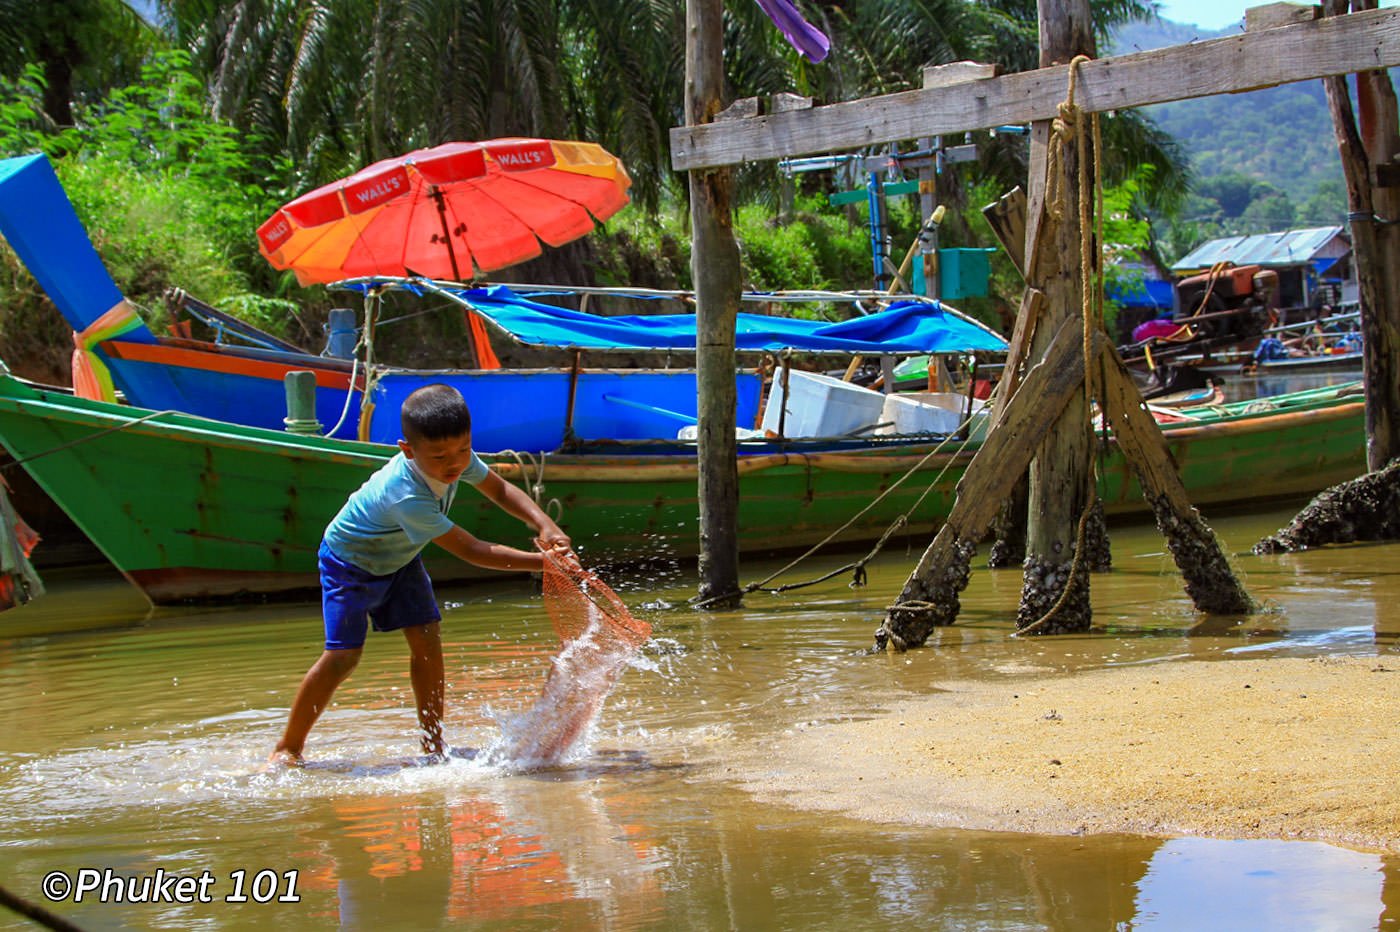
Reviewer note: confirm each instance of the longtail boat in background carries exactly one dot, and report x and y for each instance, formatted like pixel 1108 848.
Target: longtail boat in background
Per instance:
pixel 530 410
pixel 191 509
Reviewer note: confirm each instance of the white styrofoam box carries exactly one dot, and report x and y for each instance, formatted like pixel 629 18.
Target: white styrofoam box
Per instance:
pixel 952 401
pixel 821 406
pixel 926 412
pixel 906 413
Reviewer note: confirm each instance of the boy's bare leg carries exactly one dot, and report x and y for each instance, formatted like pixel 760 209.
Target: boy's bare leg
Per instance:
pixel 429 682
pixel 314 694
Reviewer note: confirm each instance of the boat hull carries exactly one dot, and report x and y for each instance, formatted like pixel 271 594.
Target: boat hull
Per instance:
pixel 196 510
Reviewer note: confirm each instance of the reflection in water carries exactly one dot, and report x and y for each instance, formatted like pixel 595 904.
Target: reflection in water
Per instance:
pixel 141 748
pixel 1208 884
pixel 484 858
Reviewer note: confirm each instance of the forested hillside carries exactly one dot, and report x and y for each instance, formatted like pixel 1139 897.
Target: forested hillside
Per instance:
pixel 1264 160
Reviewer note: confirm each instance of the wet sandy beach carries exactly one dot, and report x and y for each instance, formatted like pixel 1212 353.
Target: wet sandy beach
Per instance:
pixel 1287 748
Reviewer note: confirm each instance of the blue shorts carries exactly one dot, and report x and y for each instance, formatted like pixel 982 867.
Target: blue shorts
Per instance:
pixel 351 598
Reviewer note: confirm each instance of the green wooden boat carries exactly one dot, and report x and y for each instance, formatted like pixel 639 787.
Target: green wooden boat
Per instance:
pixel 197 510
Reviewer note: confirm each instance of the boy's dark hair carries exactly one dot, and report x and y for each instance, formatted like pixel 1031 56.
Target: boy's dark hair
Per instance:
pixel 435 412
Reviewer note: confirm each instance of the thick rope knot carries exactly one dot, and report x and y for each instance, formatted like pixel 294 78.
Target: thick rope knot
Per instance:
pixel 1063 128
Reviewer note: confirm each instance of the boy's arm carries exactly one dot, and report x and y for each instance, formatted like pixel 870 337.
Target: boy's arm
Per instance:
pixel 465 546
pixel 515 502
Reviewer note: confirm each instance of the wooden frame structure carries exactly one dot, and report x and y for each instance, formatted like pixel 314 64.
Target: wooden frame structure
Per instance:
pixel 1283 44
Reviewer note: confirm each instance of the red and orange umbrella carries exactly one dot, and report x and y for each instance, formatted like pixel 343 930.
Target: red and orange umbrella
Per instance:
pixel 447 212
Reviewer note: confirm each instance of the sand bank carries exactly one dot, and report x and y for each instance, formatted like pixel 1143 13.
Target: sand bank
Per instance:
pixel 1278 748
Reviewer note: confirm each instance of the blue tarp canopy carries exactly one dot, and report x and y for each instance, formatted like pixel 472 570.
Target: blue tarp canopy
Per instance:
pixel 904 327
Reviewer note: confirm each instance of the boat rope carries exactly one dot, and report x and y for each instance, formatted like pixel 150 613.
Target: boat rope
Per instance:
pixel 101 433
pixel 349 395
pixel 526 462
pixel 857 567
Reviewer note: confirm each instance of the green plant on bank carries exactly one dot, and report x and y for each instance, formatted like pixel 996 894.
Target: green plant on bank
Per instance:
pixel 818 248
pixel 168 195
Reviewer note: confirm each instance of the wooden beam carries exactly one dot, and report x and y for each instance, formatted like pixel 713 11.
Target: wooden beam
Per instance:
pixel 957 72
pixel 1271 15
pixel 1244 62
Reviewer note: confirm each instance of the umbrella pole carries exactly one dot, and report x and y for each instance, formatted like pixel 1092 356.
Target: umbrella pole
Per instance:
pixel 456 273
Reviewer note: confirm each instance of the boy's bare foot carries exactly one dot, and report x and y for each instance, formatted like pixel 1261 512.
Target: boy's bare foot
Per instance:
pixel 285 758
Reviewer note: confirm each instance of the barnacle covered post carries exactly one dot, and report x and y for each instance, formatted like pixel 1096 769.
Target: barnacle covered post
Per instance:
pixel 1061 475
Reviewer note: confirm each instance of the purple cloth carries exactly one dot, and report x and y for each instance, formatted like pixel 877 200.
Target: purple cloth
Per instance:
pixel 806 38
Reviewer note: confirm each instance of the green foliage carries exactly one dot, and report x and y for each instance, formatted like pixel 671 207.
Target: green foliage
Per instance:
pixel 816 249
pixel 168 195
pixel 148 229
pixel 23 126
pixel 646 251
pixel 1127 238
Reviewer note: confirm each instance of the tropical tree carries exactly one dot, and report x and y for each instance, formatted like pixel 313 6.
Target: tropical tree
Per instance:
pixel 83 47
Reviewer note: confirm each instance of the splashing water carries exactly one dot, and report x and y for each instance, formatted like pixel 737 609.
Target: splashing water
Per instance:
pixel 600 637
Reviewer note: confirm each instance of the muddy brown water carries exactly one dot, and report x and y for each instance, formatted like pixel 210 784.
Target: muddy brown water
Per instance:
pixel 136 749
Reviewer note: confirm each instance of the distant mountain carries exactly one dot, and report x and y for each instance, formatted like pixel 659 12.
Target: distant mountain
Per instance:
pixel 1280 135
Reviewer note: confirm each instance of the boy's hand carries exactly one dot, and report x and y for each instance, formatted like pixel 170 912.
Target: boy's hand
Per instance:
pixel 552 538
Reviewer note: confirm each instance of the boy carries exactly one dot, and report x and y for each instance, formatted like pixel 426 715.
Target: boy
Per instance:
pixel 371 568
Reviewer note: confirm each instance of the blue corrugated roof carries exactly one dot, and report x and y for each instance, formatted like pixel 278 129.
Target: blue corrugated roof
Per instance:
pixel 1291 247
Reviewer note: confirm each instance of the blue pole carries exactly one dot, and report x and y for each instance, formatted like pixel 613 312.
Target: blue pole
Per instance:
pixel 877 229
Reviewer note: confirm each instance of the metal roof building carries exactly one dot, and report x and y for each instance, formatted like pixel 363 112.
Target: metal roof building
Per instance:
pixel 1315 253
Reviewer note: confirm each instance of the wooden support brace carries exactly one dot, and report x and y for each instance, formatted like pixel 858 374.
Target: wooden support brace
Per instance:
pixel 1032 302
pixel 1007 218
pixel 1210 582
pixel 783 102
pixel 930 595
pixel 741 109
pixel 1009 527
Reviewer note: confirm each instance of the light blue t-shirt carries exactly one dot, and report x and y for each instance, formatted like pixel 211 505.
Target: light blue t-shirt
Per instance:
pixel 393 516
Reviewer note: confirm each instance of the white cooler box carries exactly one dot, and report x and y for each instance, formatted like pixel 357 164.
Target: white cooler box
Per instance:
pixel 821 406
pixel 924 412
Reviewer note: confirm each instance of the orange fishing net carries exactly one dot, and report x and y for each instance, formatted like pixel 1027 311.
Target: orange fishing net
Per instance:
pixel 598 636
pixel 576 599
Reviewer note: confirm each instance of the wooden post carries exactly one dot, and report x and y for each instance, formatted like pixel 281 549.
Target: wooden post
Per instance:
pixel 1060 476
pixel 715 269
pixel 1371 165
pixel 930 595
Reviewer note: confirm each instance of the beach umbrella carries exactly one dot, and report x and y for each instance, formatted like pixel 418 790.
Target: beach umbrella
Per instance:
pixel 448 212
